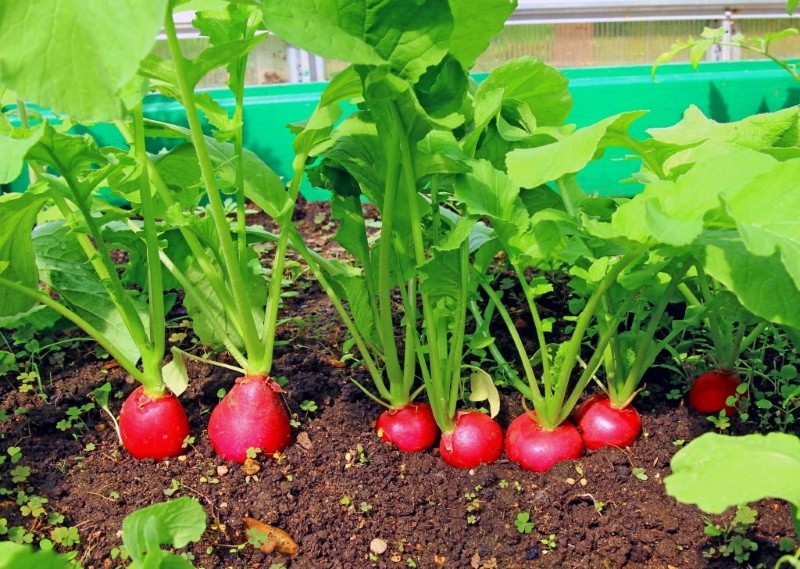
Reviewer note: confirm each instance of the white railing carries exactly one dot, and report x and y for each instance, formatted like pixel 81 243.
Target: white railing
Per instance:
pixel 574 11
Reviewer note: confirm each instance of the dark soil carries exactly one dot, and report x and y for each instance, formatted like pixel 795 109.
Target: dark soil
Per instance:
pixel 338 487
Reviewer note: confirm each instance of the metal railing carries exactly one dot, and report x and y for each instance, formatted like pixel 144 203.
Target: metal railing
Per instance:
pixel 576 11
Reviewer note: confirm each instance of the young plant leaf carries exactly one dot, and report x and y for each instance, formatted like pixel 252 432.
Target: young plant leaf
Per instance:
pixel 532 167
pixel 175 375
pixel 17 217
pixel 16 556
pixel 175 523
pixel 483 389
pixel 14 145
pixel 63 266
pixel 717 471
pixel 408 36
pixel 47 60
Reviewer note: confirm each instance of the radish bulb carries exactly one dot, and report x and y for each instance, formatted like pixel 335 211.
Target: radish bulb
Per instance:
pixel 537 449
pixel 250 416
pixel 476 439
pixel 710 391
pixel 602 425
pixel 153 427
pixel 411 428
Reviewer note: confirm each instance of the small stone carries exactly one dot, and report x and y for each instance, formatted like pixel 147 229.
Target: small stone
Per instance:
pixel 304 441
pixel 475 562
pixel 182 458
pixel 378 546
pixel 222 470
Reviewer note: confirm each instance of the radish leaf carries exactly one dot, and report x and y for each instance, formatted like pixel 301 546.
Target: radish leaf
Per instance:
pixel 717 471
pixel 76 57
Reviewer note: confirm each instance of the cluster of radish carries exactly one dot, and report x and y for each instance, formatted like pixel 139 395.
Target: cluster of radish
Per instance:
pixel 478 439
pixel 252 415
pixel 596 423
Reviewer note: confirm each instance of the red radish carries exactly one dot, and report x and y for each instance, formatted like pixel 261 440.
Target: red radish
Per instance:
pixel 411 428
pixel 153 428
pixel 603 425
pixel 476 439
pixel 711 390
pixel 251 415
pixel 578 413
pixel 537 449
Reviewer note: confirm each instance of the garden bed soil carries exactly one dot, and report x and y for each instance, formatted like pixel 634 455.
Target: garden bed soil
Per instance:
pixel 338 487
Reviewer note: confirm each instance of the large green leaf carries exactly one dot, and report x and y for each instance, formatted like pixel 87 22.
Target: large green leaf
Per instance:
pixel 673 212
pixel 75 56
pixel 528 80
pixel 476 21
pixel 16 556
pixel 408 35
pixel 64 267
pixel 756 131
pixel 718 471
pixel 531 167
pixel 766 215
pixel 17 217
pixel 762 284
pixel 175 523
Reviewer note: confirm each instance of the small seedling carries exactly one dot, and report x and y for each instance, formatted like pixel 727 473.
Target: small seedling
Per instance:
pixel 639 473
pixel 731 539
pixel 308 406
pixel 550 542
pixel 523 522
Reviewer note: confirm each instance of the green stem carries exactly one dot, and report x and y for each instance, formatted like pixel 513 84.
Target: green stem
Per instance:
pixel 192 291
pixel 314 263
pixel 152 358
pixel 81 323
pixel 385 305
pixel 572 352
pixel 439 401
pixel 537 397
pixel 229 254
pixel 644 355
pixel 723 347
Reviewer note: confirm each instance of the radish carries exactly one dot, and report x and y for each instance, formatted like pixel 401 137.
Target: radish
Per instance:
pixel 476 439
pixel 250 416
pixel 153 427
pixel 710 391
pixel 603 425
pixel 411 428
pixel 537 449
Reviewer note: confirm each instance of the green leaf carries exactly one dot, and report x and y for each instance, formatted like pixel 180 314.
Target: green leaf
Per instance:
pixel 14 145
pixel 73 56
pixel 475 22
pixel 15 556
pixel 175 523
pixel 17 217
pixel 64 267
pixel 765 213
pixel 532 167
pixel 543 89
pixel 718 471
pixel 761 284
pixel 483 389
pixel 409 36
pixel 175 375
pixel 756 131
pixel 660 212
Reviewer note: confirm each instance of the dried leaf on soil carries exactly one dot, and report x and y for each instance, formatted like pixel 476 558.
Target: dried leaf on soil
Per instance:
pixel 271 539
